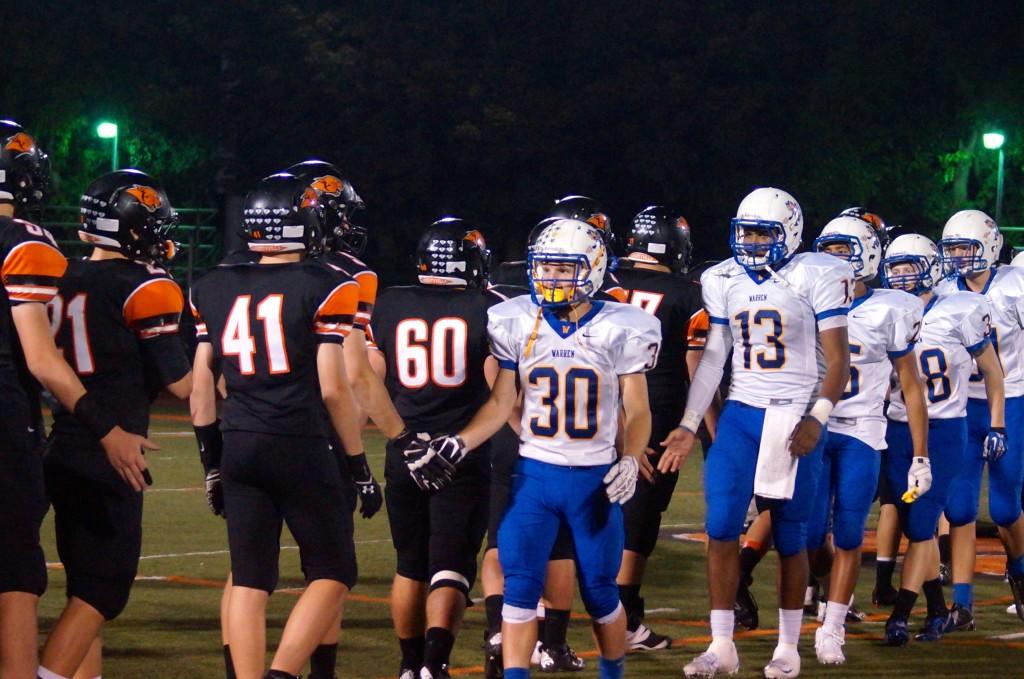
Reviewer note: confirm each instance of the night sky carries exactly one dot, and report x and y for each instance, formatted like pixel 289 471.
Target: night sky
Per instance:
pixel 490 110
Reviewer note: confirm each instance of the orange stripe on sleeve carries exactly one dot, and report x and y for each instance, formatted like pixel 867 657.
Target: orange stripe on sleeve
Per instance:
pixel 157 298
pixel 32 270
pixel 697 331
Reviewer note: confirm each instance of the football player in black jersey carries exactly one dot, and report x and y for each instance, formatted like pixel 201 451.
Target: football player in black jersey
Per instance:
pixel 433 337
pixel 31 267
pixel 657 256
pixel 275 329
pixel 115 317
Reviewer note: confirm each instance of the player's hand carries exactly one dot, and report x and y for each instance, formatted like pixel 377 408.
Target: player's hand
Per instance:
pixel 415 452
pixel 805 436
pixel 620 481
pixel 647 469
pixel 371 499
pixel 446 452
pixel 677 446
pixel 995 444
pixel 125 453
pixel 214 492
pixel 919 479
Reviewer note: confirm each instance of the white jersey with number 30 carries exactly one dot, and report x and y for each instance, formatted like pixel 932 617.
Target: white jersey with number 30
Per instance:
pixel 569 374
pixel 955 327
pixel 774 322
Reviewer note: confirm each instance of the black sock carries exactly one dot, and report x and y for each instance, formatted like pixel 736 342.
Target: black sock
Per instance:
pixel 945 549
pixel 412 653
pixel 438 649
pixel 883 574
pixel 542 624
pixel 493 605
pixel 229 666
pixel 905 601
pixel 280 674
pixel 749 558
pixel 933 594
pixel 630 597
pixel 557 627
pixel 322 662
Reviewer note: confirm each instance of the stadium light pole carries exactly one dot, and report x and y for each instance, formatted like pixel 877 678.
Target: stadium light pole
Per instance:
pixel 994 142
pixel 108 130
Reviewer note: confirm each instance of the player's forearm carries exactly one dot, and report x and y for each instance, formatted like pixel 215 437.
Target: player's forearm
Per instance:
pixel 182 388
pixel 42 357
pixel 344 416
pixel 374 399
pixel 995 395
pixel 708 376
pixel 491 417
pixel 636 431
pixel 914 400
pixel 202 402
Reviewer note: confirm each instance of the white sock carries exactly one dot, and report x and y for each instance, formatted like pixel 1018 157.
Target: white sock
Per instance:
pixel 722 624
pixel 808 596
pixel 789 626
pixel 44 673
pixel 835 614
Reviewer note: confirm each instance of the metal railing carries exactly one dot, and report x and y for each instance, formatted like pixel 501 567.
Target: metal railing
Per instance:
pixel 201 244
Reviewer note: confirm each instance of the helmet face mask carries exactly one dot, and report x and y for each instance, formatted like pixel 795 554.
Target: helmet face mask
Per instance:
pixel 863 249
pixel 339 202
pixel 24 168
pixel 757 244
pixel 911 264
pixel 970 244
pixel 961 256
pixel 566 263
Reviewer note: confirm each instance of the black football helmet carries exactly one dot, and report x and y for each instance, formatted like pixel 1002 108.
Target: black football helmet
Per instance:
pixel 127 211
pixel 339 200
pixel 452 252
pixel 658 234
pixel 882 230
pixel 283 214
pixel 586 210
pixel 24 168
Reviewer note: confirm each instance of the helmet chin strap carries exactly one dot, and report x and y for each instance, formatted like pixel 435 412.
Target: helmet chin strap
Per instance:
pixel 776 277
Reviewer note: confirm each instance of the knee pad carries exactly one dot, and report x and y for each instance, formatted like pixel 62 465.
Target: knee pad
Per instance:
pixel 960 510
pixel 601 601
pixel 109 596
pixel 23 570
pixel 243 575
pixel 347 573
pixel 413 564
pixel 452 579
pixel 517 614
pixel 848 531
pixel 1004 509
pixel 790 536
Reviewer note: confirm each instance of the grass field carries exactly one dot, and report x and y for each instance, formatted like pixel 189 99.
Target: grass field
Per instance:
pixel 170 628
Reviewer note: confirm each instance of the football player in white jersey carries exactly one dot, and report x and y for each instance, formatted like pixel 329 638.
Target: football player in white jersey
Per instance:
pixel 968 253
pixel 1018 260
pixel 580 362
pixel 954 328
pixel 777 311
pixel 883 326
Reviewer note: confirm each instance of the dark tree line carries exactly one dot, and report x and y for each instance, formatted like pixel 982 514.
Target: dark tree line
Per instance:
pixel 492 109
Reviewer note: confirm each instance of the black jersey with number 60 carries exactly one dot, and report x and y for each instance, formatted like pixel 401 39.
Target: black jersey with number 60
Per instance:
pixel 116 322
pixel 265 323
pixel 434 339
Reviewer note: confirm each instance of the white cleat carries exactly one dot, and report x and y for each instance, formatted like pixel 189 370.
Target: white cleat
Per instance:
pixel 710 664
pixel 828 644
pixel 535 656
pixel 784 665
pixel 1011 609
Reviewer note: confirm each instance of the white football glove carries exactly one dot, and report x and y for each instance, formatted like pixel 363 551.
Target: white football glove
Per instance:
pixel 919 479
pixel 620 481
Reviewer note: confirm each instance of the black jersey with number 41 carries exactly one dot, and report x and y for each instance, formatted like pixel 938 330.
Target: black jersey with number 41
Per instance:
pixel 265 323
pixel 434 339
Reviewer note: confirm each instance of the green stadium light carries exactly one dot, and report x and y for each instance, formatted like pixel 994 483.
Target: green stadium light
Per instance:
pixel 993 140
pixel 108 130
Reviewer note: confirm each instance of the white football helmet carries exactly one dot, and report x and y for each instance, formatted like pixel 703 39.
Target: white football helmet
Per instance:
pixel 976 231
pixel 1018 260
pixel 862 239
pixel 566 241
pixel 766 211
pixel 918 251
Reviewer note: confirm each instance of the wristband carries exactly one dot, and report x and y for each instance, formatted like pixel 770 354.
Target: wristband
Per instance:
pixel 211 444
pixel 691 421
pixel 94 416
pixel 359 468
pixel 821 410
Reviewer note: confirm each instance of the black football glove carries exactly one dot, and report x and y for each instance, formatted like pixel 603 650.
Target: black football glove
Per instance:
pixel 214 492
pixel 441 461
pixel 371 499
pixel 211 446
pixel 415 449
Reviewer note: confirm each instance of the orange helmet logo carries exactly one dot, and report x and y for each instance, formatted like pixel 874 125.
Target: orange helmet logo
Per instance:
pixel 310 198
pixel 328 184
pixel 20 142
pixel 147 197
pixel 475 236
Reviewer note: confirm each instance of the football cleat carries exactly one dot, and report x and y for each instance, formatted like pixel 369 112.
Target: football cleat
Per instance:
pixel 960 619
pixel 407 673
pixel 812 596
pixel 535 656
pixel 709 664
pixel 643 638
pixel 945 574
pixel 1017 588
pixel 884 598
pixel 933 629
pixel 745 608
pixel 560 659
pixel 494 666
pixel 896 631
pixel 854 615
pixel 1011 609
pixel 828 645
pixel 442 673
pixel 785 664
